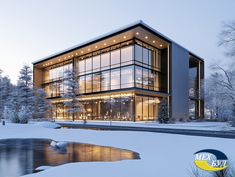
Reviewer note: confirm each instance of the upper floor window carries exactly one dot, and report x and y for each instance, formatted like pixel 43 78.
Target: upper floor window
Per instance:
pixel 115 58
pixel 127 55
pixel 81 67
pixel 105 60
pixel 88 65
pixel 115 79
pixel 96 63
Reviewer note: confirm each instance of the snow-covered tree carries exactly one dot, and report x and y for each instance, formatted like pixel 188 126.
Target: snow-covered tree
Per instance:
pixel 10 115
pixel 25 87
pixel 71 92
pixel 227 38
pixel 13 104
pixel 41 104
pixel 163 115
pixel 20 99
pixel 220 85
pixel 5 90
pixel 220 93
pixel 24 114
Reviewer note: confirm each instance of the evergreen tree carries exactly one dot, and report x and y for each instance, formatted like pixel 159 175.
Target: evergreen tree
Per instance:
pixel 25 87
pixel 71 89
pixel 5 89
pixel 13 105
pixel 41 104
pixel 24 114
pixel 10 115
pixel 25 94
pixel 163 115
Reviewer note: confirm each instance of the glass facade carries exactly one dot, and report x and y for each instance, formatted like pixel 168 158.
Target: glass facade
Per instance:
pixel 118 107
pixel 195 89
pixel 128 65
pixel 53 80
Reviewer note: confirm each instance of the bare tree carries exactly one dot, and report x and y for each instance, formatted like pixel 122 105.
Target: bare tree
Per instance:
pixel 227 38
pixel 220 92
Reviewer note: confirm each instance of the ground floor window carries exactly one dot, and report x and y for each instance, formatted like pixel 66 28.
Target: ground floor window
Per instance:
pixel 120 107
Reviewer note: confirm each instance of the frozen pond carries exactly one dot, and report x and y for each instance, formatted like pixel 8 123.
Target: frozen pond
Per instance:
pixel 22 156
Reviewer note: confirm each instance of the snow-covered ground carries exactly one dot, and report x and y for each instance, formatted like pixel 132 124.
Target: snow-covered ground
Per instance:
pixel 162 155
pixel 185 125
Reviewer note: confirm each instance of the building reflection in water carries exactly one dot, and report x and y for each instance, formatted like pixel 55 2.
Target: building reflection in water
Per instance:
pixel 22 156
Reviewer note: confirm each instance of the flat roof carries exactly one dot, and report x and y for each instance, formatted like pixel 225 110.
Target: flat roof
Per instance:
pixel 112 33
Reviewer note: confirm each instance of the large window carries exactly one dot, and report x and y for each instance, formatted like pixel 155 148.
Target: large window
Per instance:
pixel 115 110
pixel 145 78
pixel 138 53
pixel 105 107
pixel 145 108
pixel 145 56
pixel 96 63
pixel 139 108
pixel 57 72
pixel 88 83
pixel 127 77
pixel 82 84
pixel 118 69
pixel 115 58
pixel 138 77
pixel 105 80
pixel 96 82
pixel 105 60
pixel 127 108
pixel 115 79
pixel 88 65
pixel 116 107
pixel 81 67
pixel 127 55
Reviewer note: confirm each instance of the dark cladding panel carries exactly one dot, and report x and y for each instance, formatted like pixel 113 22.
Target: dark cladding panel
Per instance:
pixel 179 81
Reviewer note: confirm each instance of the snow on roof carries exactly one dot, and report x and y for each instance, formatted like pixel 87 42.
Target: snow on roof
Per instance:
pixel 106 35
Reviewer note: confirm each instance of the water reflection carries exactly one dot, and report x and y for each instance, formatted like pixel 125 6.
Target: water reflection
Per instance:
pixel 21 156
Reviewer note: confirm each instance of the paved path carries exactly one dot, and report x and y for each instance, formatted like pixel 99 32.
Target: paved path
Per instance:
pixel 207 133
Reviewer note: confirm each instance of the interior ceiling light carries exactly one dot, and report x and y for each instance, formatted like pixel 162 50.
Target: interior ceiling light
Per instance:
pixel 161 45
pixel 96 47
pixel 114 40
pixel 81 51
pixel 104 43
pixel 153 41
pixel 124 37
pixel 137 33
pixel 146 37
pixel 88 49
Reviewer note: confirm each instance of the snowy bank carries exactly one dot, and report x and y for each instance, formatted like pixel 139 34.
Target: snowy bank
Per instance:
pixel 162 155
pixel 52 125
pixel 41 168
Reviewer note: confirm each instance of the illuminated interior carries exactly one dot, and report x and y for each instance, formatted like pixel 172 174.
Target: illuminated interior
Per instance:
pixel 134 62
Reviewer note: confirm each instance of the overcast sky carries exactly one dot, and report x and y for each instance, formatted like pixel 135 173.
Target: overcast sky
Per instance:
pixel 30 30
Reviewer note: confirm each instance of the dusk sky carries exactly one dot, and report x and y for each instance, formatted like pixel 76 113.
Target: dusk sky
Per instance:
pixel 31 30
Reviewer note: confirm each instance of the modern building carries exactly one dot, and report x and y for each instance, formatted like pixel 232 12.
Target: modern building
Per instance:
pixel 124 75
